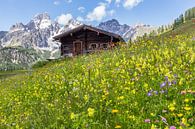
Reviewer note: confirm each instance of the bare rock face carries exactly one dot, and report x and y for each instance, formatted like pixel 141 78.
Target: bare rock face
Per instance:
pixel 114 27
pixel 35 36
pixel 17 58
pixel 126 31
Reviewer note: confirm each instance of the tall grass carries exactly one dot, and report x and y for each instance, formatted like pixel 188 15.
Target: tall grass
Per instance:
pixel 149 84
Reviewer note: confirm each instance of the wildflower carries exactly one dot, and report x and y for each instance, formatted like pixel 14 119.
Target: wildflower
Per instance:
pixel 172 108
pixel 72 116
pixel 172 127
pixel 187 108
pixel 117 127
pixel 133 91
pixel 115 111
pixel 153 126
pixel 90 112
pixel 184 122
pixel 191 120
pixel 174 82
pixel 152 114
pixel 166 78
pixel 121 98
pixel 183 92
pixel 156 92
pixel 149 93
pixel 163 85
pixel 186 100
pixel 132 117
pixel 164 111
pixel 164 120
pixel 179 115
pixel 147 120
pixel 169 83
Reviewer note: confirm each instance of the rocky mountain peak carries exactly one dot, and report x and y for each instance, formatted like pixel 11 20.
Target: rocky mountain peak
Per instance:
pixel 114 26
pixel 41 16
pixel 71 25
pixel 17 27
pixel 112 22
pixel 40 21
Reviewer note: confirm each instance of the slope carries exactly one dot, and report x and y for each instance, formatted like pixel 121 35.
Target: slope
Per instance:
pixel 186 28
pixel 147 85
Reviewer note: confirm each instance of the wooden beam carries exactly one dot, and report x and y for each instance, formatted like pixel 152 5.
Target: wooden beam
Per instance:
pixel 111 39
pixel 85 40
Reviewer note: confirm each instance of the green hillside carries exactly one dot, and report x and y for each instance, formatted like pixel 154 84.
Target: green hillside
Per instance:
pixel 150 84
pixel 185 28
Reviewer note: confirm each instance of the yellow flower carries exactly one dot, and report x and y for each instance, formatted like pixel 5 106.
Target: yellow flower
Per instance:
pixel 72 116
pixel 121 98
pixel 153 126
pixel 171 108
pixel 117 127
pixel 133 91
pixel 152 114
pixel 186 100
pixel 114 111
pixel 187 108
pixel 86 97
pixel 179 115
pixel 90 112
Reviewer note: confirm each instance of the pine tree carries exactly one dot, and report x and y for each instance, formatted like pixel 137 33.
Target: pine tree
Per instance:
pixel 181 19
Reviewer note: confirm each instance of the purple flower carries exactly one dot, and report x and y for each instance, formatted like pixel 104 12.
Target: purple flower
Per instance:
pixel 172 127
pixel 169 83
pixel 162 91
pixel 156 92
pixel 149 93
pixel 163 85
pixel 191 120
pixel 174 82
pixel 147 120
pixel 164 120
pixel 166 78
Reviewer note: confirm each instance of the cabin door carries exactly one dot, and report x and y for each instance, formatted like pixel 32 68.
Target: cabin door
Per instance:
pixel 77 47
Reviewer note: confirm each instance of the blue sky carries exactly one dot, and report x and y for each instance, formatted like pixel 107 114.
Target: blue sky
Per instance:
pixel 154 12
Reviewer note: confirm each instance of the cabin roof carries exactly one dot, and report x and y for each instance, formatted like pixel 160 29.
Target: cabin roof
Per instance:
pixel 87 27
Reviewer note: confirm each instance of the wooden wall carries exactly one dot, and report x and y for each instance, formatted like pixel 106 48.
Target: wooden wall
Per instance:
pixel 87 37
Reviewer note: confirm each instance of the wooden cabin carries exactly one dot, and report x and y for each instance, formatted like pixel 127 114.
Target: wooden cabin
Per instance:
pixel 86 39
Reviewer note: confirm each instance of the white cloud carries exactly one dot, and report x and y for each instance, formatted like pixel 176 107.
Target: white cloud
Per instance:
pixel 98 13
pixel 80 19
pixel 109 1
pixel 68 1
pixel 81 9
pixel 56 2
pixel 131 3
pixel 117 1
pixel 64 19
pixel 111 12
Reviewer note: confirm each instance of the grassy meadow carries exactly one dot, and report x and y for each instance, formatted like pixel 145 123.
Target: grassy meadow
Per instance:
pixel 146 85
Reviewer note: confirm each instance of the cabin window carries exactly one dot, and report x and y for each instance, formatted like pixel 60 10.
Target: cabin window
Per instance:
pixel 105 46
pixel 65 49
pixel 93 46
